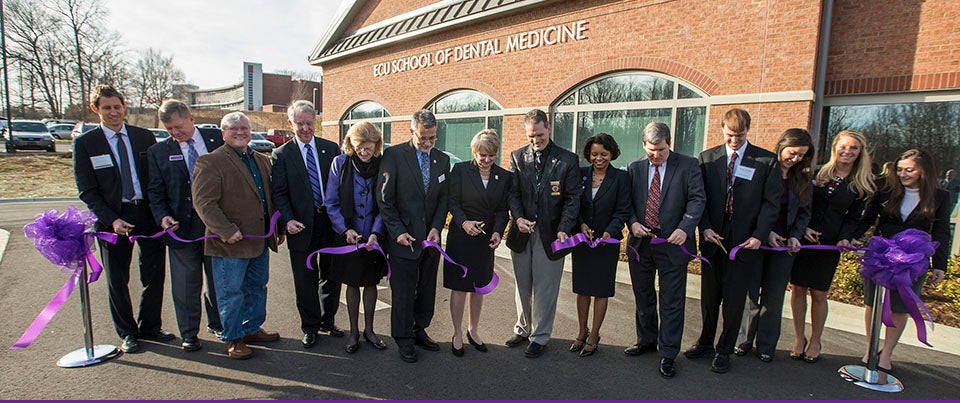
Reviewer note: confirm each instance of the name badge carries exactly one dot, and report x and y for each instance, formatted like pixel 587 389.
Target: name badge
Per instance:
pixel 745 172
pixel 101 161
pixel 554 188
pixel 441 178
pixel 177 157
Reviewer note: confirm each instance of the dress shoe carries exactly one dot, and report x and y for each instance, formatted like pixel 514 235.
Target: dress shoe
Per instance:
pixel 426 343
pixel 191 344
pixel 158 335
pixel 216 331
pixel 765 357
pixel 534 350
pixel 130 345
pixel 698 351
pixel 593 348
pixel 742 350
pixel 408 353
pixel 667 369
pixel 515 340
pixel 309 340
pixel 799 356
pixel 261 336
pixel 332 330
pixel 720 364
pixel 456 351
pixel 379 344
pixel 481 347
pixel 354 345
pixel 637 349
pixel 238 350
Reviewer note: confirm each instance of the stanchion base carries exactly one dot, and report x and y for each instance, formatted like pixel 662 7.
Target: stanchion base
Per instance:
pixel 78 358
pixel 873 380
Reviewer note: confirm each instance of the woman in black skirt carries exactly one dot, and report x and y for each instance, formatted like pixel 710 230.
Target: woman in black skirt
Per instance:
pixel 604 210
pixel 840 191
pixel 353 213
pixel 478 204
pixel 911 199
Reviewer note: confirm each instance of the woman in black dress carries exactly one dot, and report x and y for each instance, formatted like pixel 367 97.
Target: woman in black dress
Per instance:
pixel 478 204
pixel 910 200
pixel 353 213
pixel 604 210
pixel 840 191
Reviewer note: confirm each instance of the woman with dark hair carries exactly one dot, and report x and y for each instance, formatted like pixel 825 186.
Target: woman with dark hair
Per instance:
pixel 910 200
pixel 353 213
pixel 764 305
pixel 604 210
pixel 478 204
pixel 840 191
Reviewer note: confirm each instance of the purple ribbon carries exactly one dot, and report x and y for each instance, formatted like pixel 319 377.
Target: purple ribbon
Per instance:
pixel 343 250
pixel 273 227
pixel 434 245
pixel 733 252
pixel 582 238
pixel 492 285
pixel 895 263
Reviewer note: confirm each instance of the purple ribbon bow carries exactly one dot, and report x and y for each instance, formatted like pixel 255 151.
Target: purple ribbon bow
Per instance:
pixel 273 228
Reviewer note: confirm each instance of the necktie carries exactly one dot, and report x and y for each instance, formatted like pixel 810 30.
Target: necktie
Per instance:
pixel 192 156
pixel 425 170
pixel 314 176
pixel 653 200
pixel 126 179
pixel 537 165
pixel 729 204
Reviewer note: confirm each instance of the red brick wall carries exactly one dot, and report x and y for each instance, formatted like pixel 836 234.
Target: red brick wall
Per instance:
pixel 276 89
pixel 738 48
pixel 893 45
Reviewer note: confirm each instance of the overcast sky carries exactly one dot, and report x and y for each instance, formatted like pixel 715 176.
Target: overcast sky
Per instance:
pixel 210 39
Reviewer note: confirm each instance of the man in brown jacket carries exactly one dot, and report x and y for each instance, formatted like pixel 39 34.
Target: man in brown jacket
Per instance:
pixel 231 193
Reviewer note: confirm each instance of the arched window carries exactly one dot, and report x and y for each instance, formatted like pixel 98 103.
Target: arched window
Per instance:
pixel 369 111
pixel 622 104
pixel 460 115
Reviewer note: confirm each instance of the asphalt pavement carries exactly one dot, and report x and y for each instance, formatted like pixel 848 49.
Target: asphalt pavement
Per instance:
pixel 285 370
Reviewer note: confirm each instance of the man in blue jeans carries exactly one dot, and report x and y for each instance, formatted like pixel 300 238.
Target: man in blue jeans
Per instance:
pixel 231 193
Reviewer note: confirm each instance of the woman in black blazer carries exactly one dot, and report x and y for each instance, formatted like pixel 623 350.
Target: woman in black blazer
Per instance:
pixel 478 204
pixel 604 210
pixel 910 200
pixel 764 306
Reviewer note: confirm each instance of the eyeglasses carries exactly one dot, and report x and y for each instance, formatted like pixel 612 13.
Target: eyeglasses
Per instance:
pixel 365 149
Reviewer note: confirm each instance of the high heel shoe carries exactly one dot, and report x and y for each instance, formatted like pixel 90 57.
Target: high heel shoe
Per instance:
pixel 353 347
pixel 593 348
pixel 456 351
pixel 799 356
pixel 810 359
pixel 481 347
pixel 379 345
pixel 578 343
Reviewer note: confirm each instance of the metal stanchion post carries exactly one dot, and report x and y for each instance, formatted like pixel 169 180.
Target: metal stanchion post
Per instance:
pixel 869 377
pixel 89 354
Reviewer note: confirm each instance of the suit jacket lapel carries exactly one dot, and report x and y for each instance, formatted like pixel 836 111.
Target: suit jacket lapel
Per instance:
pixel 644 188
pixel 668 172
pixel 324 160
pixel 173 148
pixel 530 168
pixel 414 163
pixel 102 139
pixel 605 185
pixel 239 165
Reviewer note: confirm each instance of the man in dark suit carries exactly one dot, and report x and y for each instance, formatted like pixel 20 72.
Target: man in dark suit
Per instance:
pixel 743 189
pixel 668 200
pixel 110 165
pixel 171 164
pixel 300 171
pixel 412 197
pixel 544 204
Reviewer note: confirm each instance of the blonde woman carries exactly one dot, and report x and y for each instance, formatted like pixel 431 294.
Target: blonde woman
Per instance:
pixel 840 191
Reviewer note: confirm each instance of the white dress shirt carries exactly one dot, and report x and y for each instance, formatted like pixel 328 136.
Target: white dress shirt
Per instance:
pixel 316 160
pixel 112 141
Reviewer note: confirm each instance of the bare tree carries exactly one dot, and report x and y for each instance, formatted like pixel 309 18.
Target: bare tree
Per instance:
pixel 31 34
pixel 154 75
pixel 79 16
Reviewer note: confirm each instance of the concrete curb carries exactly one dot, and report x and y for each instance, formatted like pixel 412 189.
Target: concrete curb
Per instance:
pixel 4 237
pixel 41 199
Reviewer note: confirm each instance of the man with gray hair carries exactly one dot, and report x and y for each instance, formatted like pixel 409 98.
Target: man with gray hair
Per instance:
pixel 231 193
pixel 300 171
pixel 411 193
pixel 668 200
pixel 171 164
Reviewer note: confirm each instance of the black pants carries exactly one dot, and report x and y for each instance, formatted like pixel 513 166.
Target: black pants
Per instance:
pixel 665 329
pixel 413 285
pixel 190 273
pixel 317 297
pixel 116 260
pixel 764 304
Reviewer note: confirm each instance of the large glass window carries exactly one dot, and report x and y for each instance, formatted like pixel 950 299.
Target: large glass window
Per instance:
pixel 460 115
pixel 369 111
pixel 894 128
pixel 622 104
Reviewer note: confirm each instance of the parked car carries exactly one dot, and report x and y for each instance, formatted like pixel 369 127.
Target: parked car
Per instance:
pixel 279 136
pixel 454 159
pixel 208 126
pixel 160 134
pixel 81 128
pixel 30 135
pixel 61 131
pixel 258 142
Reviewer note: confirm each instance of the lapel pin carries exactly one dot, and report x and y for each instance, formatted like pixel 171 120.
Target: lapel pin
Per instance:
pixel 496 177
pixel 434 161
pixel 323 151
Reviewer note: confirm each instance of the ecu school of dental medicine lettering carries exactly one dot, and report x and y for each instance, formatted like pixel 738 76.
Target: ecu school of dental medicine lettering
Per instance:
pixel 552 35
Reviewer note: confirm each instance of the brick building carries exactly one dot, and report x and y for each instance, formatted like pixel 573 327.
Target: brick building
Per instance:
pixel 890 68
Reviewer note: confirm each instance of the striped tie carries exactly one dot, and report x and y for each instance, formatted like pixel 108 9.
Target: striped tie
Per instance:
pixel 314 176
pixel 192 156
pixel 653 200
